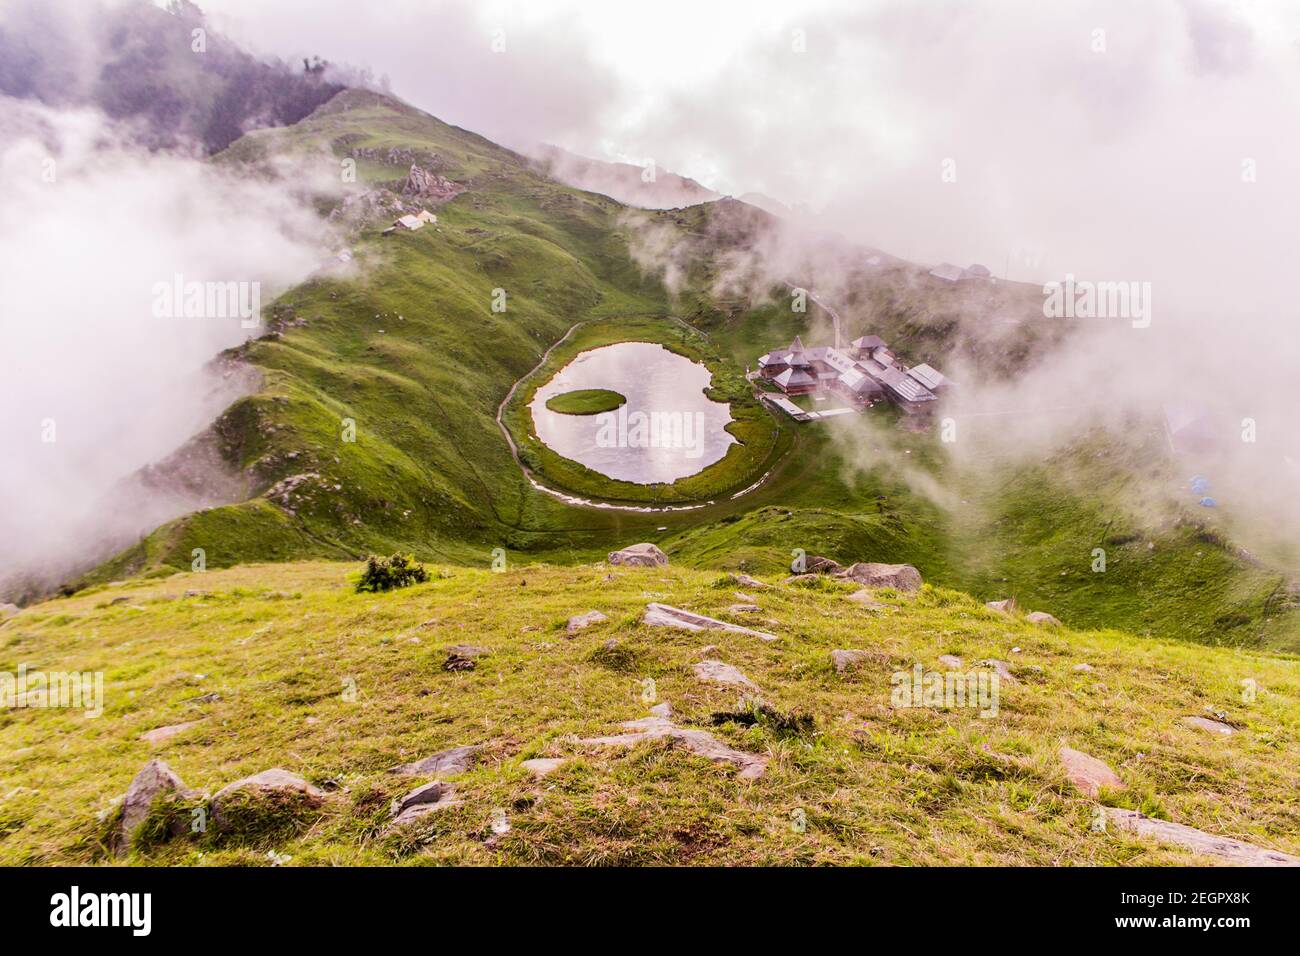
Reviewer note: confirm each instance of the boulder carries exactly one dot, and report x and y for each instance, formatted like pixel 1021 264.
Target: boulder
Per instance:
pixel 155 781
pixel 816 564
pixel 1042 617
pixel 1006 606
pixel 744 580
pixel 903 577
pixel 662 615
pixel 582 621
pixel 716 672
pixel 270 800
pixel 1088 774
pixel 1198 841
pixel 644 555
pixel 454 760
pixel 421 801
pixel 845 660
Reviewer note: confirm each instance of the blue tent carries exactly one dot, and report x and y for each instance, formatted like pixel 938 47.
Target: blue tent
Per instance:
pixel 1200 484
pixel 1208 502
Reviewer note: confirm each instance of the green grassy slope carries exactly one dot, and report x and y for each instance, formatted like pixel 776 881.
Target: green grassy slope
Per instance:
pixel 408 357
pixel 262 658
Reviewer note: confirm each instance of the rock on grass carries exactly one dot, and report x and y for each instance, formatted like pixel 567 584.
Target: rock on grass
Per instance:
pixel 267 805
pixel 454 760
pixel 1088 774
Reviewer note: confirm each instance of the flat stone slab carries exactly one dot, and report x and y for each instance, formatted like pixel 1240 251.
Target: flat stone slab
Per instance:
pixel 744 580
pixel 744 609
pixel 1088 774
pixel 903 577
pixel 662 615
pixel 699 742
pixel 421 801
pixel 1212 726
pixel 160 735
pixel 454 760
pixel 644 555
pixel 716 672
pixel 542 766
pixel 1198 841
pixel 582 621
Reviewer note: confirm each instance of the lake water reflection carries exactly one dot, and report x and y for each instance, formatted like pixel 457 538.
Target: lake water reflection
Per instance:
pixel 667 429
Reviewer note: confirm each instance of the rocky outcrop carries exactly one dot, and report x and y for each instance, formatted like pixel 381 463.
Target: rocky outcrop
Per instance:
pixel 430 186
pixel 699 742
pixel 454 760
pixel 422 801
pixel 716 672
pixel 154 782
pixel 644 555
pixel 1198 841
pixel 581 622
pixel 662 615
pixel 902 577
pixel 1210 726
pixel 266 802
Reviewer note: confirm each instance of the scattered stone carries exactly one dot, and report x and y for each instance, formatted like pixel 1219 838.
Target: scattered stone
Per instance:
pixel 744 609
pixel 276 792
pixel 580 621
pixel 195 592
pixel 161 735
pixel 460 657
pixel 211 698
pixel 950 661
pixel 121 599
pixel 644 555
pixel 699 742
pixel 745 581
pixel 661 710
pixel 421 801
pixel 455 760
pixel 1007 606
pixel 662 615
pixel 1198 841
pixel 716 672
pixel 542 766
pixel 867 598
pixel 1082 668
pixel 8 610
pixel 1088 774
pixel 1042 617
pixel 847 660
pixel 742 596
pixel 1002 667
pixel 154 781
pixel 819 565
pixel 1212 726
pixel 903 577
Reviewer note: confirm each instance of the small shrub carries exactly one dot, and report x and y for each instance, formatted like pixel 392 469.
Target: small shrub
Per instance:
pixel 384 574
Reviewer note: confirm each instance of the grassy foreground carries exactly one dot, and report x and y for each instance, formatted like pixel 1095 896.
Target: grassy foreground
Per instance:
pixel 261 659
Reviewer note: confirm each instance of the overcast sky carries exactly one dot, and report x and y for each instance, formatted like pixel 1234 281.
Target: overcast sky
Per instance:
pixel 1101 138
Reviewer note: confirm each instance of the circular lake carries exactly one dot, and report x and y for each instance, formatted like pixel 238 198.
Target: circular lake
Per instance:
pixel 667 429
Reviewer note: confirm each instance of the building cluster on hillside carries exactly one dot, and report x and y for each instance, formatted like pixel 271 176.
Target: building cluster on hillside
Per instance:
pixel 411 223
pixel 864 373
